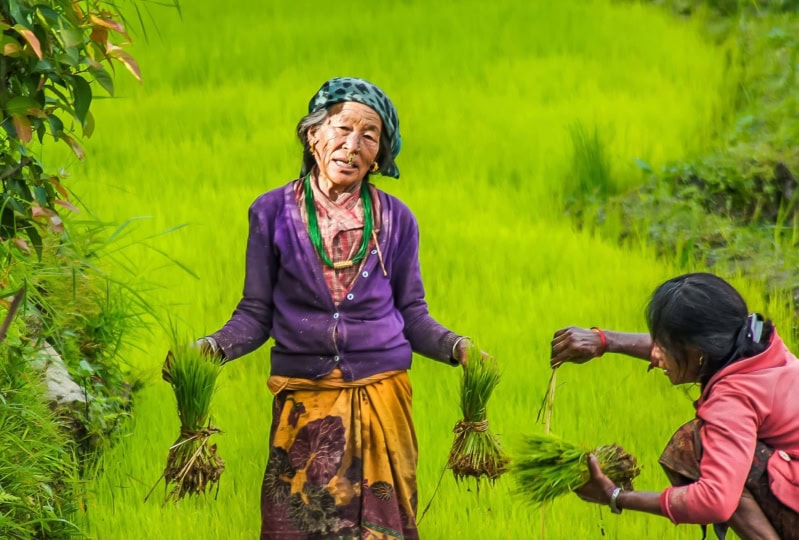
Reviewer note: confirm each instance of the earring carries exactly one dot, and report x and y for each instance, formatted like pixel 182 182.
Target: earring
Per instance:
pixel 374 168
pixel 701 360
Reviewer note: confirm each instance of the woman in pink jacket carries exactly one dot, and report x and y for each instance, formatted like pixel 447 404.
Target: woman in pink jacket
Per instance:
pixel 736 463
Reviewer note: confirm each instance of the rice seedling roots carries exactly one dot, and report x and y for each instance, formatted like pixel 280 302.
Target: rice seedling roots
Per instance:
pixel 192 464
pixel 476 452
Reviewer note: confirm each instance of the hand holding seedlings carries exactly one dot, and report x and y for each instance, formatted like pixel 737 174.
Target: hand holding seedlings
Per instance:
pixel 461 351
pixel 576 345
pixel 550 467
pixel 207 347
pixel 579 345
pixel 599 487
pixel 476 451
pixel 192 461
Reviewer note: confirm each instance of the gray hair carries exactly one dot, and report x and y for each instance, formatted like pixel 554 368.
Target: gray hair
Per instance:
pixel 308 122
pixel 315 120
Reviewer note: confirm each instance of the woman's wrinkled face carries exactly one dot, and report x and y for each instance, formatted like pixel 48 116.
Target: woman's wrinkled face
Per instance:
pixel 677 372
pixel 346 144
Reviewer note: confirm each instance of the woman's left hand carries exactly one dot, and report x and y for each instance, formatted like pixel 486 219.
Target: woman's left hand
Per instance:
pixel 599 487
pixel 462 351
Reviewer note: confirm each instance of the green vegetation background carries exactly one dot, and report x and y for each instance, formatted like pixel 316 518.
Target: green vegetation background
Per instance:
pixel 489 94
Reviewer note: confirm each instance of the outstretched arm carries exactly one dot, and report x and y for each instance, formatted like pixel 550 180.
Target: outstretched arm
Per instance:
pixel 579 345
pixel 600 489
pixel 251 323
pixel 748 521
pixel 426 335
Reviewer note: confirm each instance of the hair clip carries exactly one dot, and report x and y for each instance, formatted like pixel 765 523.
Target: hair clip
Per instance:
pixel 755 327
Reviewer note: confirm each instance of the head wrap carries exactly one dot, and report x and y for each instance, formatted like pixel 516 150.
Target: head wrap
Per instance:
pixel 343 89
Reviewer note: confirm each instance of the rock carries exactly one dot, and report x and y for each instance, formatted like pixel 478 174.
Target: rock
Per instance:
pixel 61 389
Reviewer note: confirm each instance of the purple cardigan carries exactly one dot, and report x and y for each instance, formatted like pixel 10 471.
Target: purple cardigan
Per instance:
pixel 379 323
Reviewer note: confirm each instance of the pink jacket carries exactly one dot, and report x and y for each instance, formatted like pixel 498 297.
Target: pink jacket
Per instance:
pixel 752 399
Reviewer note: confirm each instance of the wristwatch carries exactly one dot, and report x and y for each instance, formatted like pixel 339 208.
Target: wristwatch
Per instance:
pixel 613 496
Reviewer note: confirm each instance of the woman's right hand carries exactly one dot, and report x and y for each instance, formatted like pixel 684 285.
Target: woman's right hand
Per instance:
pixel 599 487
pixel 576 345
pixel 208 347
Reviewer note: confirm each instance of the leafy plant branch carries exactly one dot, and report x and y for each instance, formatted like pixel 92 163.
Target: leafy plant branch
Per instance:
pixel 53 56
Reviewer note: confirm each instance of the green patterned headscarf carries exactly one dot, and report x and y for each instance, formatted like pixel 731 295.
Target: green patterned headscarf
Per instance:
pixel 351 89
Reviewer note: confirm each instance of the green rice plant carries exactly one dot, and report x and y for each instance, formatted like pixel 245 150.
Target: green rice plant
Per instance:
pixel 551 467
pixel 476 452
pixel 590 163
pixel 39 483
pixel 192 463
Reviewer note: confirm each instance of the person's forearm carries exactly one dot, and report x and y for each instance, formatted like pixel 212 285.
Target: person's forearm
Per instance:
pixel 640 501
pixel 429 338
pixel 635 345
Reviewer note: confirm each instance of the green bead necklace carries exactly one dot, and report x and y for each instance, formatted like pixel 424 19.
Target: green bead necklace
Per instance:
pixel 316 234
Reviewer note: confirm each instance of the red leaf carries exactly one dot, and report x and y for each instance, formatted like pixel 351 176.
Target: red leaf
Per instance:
pixel 38 211
pixel 23 127
pixel 10 49
pixel 21 244
pixel 109 23
pixel 31 38
pixel 99 35
pixel 130 63
pixel 67 204
pixel 61 189
pixel 77 149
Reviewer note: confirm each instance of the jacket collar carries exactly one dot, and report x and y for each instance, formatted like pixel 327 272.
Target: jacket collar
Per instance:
pixel 775 355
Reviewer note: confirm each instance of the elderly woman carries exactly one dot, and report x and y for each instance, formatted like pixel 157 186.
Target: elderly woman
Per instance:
pixel 737 462
pixel 333 277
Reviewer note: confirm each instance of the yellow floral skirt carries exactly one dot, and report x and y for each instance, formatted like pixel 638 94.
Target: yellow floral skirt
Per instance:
pixel 342 459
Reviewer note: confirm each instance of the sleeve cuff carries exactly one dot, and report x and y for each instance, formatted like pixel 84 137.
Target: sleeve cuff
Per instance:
pixel 451 341
pixel 664 504
pixel 216 350
pixel 223 345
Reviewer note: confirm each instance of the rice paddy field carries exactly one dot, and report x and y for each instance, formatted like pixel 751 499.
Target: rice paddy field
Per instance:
pixel 487 93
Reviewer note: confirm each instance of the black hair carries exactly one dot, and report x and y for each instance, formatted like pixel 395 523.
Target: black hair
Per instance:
pixel 384 158
pixel 703 311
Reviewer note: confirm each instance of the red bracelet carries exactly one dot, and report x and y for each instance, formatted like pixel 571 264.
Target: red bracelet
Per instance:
pixel 603 340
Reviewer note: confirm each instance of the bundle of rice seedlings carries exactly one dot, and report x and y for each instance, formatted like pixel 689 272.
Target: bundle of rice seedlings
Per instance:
pixel 476 452
pixel 192 463
pixel 551 467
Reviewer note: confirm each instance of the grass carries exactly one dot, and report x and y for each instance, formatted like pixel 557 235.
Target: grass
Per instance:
pixel 38 469
pixel 487 92
pixel 734 207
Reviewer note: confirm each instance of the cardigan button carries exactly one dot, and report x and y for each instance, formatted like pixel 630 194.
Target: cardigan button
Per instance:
pixel 335 315
pixel 350 296
pixel 336 358
pixel 784 455
pixel 374 252
pixel 365 274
